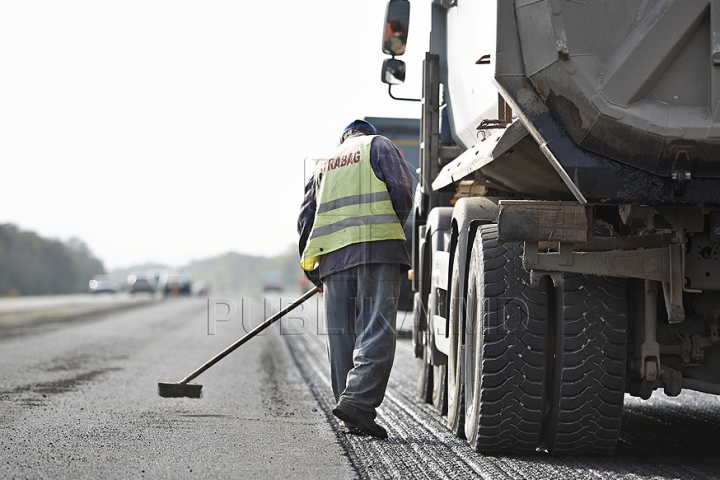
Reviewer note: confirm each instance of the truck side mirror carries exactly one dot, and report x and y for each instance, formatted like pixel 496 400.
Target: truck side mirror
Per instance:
pixel 393 71
pixel 397 24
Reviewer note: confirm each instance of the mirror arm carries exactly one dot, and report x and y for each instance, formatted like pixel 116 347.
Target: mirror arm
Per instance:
pixel 399 98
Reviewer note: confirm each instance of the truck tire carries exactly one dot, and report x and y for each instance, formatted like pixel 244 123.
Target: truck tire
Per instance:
pixel 587 382
pixel 419 325
pixel 439 393
pixel 421 311
pixel 506 349
pixel 455 392
pixel 439 372
pixel 425 371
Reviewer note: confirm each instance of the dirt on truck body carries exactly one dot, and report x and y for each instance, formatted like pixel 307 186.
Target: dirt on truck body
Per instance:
pixel 567 228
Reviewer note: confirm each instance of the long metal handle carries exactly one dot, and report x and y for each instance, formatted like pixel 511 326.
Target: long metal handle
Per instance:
pixel 250 335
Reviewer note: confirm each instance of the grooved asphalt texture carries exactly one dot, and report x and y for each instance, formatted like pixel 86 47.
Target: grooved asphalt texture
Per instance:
pixel 661 438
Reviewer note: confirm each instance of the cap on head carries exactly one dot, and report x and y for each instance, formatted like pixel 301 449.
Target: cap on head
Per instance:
pixel 361 124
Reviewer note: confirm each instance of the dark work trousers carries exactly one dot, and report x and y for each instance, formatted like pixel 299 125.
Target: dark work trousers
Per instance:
pixel 360 311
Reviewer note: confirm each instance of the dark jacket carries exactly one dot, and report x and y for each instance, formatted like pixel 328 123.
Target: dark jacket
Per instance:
pixel 389 166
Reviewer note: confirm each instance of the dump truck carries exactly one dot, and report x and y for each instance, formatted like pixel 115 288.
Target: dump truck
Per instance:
pixel 567 224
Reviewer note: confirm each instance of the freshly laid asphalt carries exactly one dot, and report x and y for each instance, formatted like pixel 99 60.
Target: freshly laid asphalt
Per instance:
pixel 78 399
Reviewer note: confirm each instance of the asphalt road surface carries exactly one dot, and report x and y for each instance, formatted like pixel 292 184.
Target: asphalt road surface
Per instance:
pixel 78 400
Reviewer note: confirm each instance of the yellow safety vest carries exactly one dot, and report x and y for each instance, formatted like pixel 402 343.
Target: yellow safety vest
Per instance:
pixel 353 204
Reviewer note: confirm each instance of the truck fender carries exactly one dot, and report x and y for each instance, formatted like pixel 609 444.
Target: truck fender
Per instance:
pixel 468 214
pixel 438 227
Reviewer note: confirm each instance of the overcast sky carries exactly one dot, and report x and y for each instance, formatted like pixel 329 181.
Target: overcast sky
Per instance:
pixel 173 131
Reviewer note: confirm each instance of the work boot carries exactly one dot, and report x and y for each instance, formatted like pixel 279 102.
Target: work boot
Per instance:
pixel 365 423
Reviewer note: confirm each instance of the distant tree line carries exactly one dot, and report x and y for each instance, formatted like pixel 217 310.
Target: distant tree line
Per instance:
pixel 32 265
pixel 236 272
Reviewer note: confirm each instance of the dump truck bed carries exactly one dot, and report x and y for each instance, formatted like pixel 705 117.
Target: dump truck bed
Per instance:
pixel 622 98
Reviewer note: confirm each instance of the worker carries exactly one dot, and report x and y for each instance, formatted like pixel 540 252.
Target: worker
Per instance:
pixel 352 245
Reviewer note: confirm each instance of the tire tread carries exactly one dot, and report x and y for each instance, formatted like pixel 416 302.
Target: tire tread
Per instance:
pixel 586 404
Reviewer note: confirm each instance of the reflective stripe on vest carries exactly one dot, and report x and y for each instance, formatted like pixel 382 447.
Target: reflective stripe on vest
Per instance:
pixel 353 205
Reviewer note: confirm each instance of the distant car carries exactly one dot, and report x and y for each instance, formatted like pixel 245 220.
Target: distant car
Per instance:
pixel 102 284
pixel 201 288
pixel 140 283
pixel 273 281
pixel 175 284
